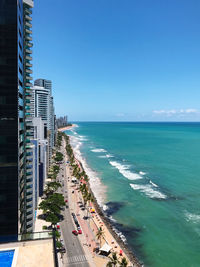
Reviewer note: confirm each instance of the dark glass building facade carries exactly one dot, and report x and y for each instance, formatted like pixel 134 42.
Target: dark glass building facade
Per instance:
pixel 12 159
pixel 16 176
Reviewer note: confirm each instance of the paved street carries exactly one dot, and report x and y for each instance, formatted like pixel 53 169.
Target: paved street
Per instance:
pixel 75 255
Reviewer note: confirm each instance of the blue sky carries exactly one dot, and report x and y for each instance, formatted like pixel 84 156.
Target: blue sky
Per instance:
pixel 120 60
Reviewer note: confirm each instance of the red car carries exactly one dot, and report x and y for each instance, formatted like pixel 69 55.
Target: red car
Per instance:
pixel 80 231
pixel 74 232
pixel 66 201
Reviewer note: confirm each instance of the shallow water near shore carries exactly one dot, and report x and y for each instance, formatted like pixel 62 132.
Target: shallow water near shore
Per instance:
pixel 146 176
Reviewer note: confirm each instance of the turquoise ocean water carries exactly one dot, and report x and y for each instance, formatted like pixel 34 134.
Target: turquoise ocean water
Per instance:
pixel 146 176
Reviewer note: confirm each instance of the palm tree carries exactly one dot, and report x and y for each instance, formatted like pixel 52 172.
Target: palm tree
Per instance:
pixel 113 260
pixel 100 234
pixel 123 262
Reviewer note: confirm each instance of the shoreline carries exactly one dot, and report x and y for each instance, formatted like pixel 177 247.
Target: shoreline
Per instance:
pixel 62 129
pixel 127 250
pixel 108 223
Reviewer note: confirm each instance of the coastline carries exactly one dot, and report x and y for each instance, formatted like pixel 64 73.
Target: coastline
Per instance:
pixel 128 253
pixel 108 224
pixel 66 128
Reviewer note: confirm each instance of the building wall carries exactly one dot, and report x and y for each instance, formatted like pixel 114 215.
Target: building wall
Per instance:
pixel 11 116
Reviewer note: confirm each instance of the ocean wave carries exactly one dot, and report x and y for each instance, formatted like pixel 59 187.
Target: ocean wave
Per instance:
pixel 105 156
pixel 82 138
pixel 124 170
pixel 98 150
pixel 109 156
pixel 123 238
pixel 192 217
pixel 95 183
pixel 149 191
pixel 155 185
pixel 142 173
pixel 105 207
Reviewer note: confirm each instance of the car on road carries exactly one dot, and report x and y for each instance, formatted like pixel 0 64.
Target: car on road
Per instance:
pixel 74 232
pixel 72 191
pixel 66 200
pixel 80 232
pixel 58 226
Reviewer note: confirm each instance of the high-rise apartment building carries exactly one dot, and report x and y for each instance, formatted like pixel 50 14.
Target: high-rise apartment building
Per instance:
pixel 42 106
pixel 15 69
pixel 29 213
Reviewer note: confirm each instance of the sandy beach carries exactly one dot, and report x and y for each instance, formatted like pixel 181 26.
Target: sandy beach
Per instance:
pixel 66 128
pixel 98 220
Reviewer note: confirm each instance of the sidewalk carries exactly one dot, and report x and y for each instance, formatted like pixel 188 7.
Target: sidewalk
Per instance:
pixel 91 226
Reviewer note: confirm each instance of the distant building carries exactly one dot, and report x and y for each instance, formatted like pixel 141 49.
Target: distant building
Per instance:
pixel 61 122
pixel 42 106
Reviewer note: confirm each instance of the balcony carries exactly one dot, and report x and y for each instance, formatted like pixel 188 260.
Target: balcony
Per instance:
pixel 28 134
pixel 28 51
pixel 27 107
pixel 28 182
pixel 28 77
pixel 28 84
pixel 28 31
pixel 28 24
pixel 28 10
pixel 28 64
pixel 29 44
pixel 28 37
pixel 27 17
pixel 29 71
pixel 29 157
pixel 28 57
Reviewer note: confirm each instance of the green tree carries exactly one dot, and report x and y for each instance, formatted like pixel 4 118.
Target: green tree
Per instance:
pixel 56 169
pixel 51 187
pixel 113 260
pixel 52 206
pixel 123 262
pixel 59 156
pixel 100 234
pixel 52 218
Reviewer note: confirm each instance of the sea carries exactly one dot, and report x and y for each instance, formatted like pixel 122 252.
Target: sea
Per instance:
pixel 146 178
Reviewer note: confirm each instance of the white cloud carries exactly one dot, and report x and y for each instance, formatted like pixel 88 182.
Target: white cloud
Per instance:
pixel 176 111
pixel 191 110
pixel 120 114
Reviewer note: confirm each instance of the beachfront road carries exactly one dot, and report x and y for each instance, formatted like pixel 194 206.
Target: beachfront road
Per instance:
pixel 75 255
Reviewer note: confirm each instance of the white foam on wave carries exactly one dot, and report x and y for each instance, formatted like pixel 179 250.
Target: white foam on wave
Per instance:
pixel 123 238
pixel 105 156
pixel 142 173
pixel 109 156
pixel 95 183
pixel 98 150
pixel 105 207
pixel 149 191
pixel 192 217
pixel 155 185
pixel 124 170
pixel 82 138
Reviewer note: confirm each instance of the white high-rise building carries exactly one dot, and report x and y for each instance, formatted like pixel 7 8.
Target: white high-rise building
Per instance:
pixel 42 106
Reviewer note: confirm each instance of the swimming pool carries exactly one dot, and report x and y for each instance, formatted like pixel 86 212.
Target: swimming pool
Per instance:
pixel 6 258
